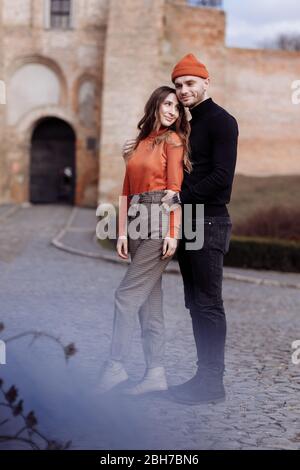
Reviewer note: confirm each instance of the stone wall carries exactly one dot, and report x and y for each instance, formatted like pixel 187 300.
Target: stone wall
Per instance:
pixel 253 85
pixel 98 75
pixel 48 73
pixel 132 60
pixel 258 93
pixel 3 172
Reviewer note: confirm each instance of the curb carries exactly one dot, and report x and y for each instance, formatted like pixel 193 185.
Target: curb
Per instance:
pixel 10 211
pixel 105 254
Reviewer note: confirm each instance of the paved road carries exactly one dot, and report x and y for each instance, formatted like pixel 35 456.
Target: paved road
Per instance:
pixel 70 296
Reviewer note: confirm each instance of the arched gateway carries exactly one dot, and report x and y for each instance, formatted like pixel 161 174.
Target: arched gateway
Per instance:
pixel 52 168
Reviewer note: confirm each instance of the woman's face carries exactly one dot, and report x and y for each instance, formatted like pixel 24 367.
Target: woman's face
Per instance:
pixel 169 110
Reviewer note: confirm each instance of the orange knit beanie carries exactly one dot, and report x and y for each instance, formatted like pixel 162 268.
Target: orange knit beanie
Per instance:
pixel 189 65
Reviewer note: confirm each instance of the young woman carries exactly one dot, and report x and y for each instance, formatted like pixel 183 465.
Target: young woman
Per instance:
pixel 155 164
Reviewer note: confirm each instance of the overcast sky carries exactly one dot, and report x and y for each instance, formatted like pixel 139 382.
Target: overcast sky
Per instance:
pixel 251 21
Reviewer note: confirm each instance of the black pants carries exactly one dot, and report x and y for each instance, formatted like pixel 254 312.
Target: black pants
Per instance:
pixel 202 272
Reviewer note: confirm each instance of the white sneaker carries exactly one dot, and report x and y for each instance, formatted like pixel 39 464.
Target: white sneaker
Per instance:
pixel 153 381
pixel 112 375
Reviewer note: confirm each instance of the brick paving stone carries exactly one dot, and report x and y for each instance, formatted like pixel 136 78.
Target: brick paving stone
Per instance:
pixel 70 296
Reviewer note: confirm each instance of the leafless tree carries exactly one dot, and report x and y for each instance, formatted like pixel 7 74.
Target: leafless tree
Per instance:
pixel 26 430
pixel 207 3
pixel 284 41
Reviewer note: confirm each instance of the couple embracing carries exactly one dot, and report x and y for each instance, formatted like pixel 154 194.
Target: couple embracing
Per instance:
pixel 175 162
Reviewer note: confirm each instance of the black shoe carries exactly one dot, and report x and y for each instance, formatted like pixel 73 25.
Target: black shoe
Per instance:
pixel 186 386
pixel 205 392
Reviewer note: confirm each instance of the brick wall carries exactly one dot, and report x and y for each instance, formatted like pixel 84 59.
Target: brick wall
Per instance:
pixel 73 56
pixel 128 48
pixel 253 85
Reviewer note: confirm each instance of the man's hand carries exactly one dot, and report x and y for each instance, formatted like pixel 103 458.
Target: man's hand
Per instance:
pixel 128 146
pixel 167 200
pixel 169 247
pixel 122 247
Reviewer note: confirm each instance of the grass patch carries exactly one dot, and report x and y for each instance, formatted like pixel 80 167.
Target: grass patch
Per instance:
pixel 251 193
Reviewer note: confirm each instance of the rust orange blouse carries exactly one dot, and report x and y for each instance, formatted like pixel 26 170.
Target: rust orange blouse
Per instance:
pixel 152 168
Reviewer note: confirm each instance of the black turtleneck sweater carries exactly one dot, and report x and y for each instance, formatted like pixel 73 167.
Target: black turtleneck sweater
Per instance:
pixel 213 141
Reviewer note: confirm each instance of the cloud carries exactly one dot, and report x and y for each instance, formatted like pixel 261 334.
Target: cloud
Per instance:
pixel 252 21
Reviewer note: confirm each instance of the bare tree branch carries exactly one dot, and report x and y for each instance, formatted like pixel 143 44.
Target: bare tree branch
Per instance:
pixel 15 405
pixel 284 41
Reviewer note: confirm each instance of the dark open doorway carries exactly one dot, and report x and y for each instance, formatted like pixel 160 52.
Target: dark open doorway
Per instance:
pixel 52 169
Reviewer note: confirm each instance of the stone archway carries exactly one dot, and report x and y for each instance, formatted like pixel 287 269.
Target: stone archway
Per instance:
pixel 53 162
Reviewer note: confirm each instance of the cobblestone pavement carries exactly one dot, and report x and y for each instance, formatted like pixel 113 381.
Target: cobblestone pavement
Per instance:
pixel 71 297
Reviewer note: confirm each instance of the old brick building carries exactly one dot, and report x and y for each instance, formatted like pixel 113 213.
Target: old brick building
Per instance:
pixel 78 72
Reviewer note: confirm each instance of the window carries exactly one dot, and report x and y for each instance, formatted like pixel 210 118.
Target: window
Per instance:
pixel 60 14
pixel 91 143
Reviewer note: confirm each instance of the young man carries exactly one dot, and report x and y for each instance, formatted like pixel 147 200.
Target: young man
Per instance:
pixel 213 141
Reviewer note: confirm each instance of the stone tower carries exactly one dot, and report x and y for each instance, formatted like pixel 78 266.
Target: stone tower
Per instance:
pixel 145 38
pixel 131 67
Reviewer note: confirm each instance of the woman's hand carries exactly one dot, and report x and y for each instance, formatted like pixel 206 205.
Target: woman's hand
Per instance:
pixel 122 247
pixel 169 247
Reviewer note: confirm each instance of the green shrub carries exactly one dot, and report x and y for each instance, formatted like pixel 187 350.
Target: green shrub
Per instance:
pixel 263 253
pixel 276 222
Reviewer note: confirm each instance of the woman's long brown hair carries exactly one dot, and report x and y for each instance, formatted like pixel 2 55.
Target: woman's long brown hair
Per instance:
pixel 149 123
